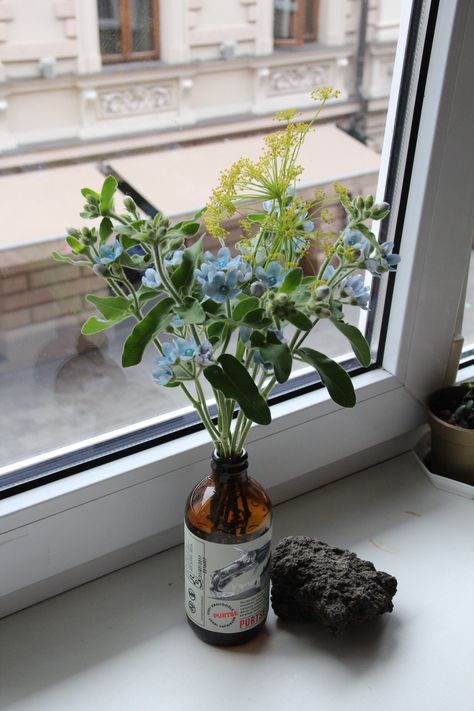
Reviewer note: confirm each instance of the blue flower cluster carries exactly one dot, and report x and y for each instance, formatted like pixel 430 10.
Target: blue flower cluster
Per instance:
pixel 180 350
pixel 356 240
pixel 384 262
pixel 222 276
pixel 108 253
pixel 151 279
pixel 354 288
pixel 271 276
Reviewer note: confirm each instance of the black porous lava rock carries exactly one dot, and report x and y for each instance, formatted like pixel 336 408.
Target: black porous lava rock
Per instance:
pixel 313 581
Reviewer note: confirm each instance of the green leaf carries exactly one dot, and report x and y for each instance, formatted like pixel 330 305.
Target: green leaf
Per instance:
pixel 257 319
pixel 111 307
pixel 292 280
pixel 58 257
pixel 75 244
pixel 302 322
pixel 200 213
pixel 308 280
pixel 217 332
pixel 157 319
pixel 369 235
pixel 95 325
pixel 85 192
pixel 145 294
pixel 233 379
pixel 191 312
pixel 211 307
pixel 190 228
pixel 107 194
pixel 359 344
pixel 334 377
pixel 105 230
pixel 183 275
pixel 279 355
pixel 250 303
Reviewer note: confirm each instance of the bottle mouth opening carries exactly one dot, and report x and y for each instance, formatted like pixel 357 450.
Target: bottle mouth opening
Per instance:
pixel 230 465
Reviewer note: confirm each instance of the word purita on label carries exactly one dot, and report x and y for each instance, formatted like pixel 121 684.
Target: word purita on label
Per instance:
pixel 227 586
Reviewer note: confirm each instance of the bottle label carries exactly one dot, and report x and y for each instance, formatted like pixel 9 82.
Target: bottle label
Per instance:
pixel 227 585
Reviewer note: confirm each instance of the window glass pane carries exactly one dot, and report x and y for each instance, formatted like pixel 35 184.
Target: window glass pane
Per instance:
pixel 64 388
pixel 141 19
pixel 110 35
pixel 309 18
pixel 283 19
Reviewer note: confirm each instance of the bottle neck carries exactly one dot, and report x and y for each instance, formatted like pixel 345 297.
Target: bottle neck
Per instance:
pixel 233 469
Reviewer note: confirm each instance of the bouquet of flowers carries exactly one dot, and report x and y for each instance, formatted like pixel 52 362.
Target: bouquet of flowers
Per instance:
pixel 236 318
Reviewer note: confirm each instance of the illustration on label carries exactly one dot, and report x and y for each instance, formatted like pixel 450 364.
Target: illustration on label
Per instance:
pixel 227 586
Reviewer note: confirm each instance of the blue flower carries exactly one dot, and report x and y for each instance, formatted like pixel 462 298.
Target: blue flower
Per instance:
pixel 177 321
pixel 244 272
pixel 307 226
pixel 151 279
pixel 223 260
pixel 186 350
pixel 108 253
pixel 203 355
pixel 221 286
pixel 163 374
pixel 328 272
pixel 354 239
pixel 174 258
pixel 385 262
pixel 272 276
pixel 206 272
pixel 244 334
pixel 169 356
pixel 354 288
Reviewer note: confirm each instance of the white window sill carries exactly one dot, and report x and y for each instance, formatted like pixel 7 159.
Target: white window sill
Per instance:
pixel 121 642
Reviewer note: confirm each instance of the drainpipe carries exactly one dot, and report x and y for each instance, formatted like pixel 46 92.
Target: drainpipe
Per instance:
pixel 358 118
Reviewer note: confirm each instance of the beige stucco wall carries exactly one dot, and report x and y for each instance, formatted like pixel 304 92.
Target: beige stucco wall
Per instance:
pixel 193 82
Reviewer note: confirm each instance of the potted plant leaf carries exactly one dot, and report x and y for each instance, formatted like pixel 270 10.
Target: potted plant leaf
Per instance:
pixel 451 418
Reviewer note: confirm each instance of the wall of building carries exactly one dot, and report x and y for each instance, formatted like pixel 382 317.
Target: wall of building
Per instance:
pixel 217 61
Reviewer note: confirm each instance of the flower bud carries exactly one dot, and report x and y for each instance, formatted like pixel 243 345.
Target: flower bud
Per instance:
pixel 129 204
pixel 73 232
pixel 369 201
pixel 322 292
pixel 257 289
pixel 322 312
pixel 359 202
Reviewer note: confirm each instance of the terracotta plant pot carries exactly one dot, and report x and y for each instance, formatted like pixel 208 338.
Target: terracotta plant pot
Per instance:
pixel 452 447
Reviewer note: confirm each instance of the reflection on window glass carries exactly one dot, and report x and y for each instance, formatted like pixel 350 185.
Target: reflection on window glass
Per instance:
pixel 127 29
pixel 110 31
pixel 168 135
pixel 141 26
pixel 284 16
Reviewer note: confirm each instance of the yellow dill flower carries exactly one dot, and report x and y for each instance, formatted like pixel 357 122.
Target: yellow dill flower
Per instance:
pixel 324 93
pixel 286 115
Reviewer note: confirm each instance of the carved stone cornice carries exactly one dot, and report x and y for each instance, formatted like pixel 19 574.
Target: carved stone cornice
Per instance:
pixel 141 99
pixel 296 78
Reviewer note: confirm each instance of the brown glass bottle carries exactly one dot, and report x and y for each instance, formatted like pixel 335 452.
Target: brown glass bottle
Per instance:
pixel 232 510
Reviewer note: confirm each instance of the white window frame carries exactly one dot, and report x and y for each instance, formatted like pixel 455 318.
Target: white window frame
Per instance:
pixel 67 532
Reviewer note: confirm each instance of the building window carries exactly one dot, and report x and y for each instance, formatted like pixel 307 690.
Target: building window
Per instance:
pixel 295 21
pixel 128 30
